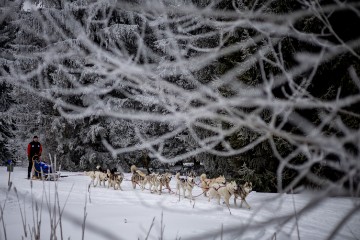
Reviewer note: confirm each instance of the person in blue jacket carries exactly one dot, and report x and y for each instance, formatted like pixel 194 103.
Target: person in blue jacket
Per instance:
pixel 41 167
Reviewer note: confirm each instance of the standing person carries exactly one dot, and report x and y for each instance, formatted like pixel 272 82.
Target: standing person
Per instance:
pixel 34 148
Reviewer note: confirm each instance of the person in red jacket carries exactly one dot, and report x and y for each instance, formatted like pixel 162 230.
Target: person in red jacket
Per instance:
pixel 34 148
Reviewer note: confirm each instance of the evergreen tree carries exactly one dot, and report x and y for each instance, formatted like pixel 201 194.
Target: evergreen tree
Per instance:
pixel 6 124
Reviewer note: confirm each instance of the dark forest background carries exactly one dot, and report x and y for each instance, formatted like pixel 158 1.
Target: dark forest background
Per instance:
pixel 78 143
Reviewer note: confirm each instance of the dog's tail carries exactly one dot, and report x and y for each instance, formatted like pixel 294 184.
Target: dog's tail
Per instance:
pixel 89 173
pixel 141 173
pixel 177 176
pixel 203 177
pixel 133 168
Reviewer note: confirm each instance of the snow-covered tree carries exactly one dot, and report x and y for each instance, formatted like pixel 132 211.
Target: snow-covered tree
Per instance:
pixel 6 124
pixel 7 127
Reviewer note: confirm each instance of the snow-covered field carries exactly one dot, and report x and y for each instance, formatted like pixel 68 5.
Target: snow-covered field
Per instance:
pixel 128 214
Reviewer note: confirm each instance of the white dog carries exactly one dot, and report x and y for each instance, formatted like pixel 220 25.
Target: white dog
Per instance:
pixel 97 177
pixel 101 177
pixel 207 183
pixel 92 176
pixel 153 180
pixel 185 184
pixel 225 191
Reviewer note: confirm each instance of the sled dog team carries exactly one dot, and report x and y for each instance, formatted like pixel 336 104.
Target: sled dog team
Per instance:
pixel 212 188
pixel 155 181
pixel 100 176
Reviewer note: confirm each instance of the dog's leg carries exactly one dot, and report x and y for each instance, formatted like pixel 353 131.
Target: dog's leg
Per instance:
pixel 241 203
pixel 160 189
pixel 205 192
pixel 155 187
pixel 133 184
pixel 143 184
pixel 177 188
pixel 190 194
pixel 96 182
pixel 218 198
pixel 150 186
pixel 209 194
pixel 248 206
pixel 204 188
pixel 227 201
pixel 93 181
pixel 113 182
pixel 168 187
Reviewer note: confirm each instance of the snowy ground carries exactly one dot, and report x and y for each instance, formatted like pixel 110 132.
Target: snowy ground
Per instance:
pixel 129 214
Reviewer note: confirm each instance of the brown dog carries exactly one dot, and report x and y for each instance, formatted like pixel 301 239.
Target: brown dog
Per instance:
pixel 138 177
pixel 242 192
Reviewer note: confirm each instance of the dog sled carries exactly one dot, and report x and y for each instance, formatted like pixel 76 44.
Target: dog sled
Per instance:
pixel 43 171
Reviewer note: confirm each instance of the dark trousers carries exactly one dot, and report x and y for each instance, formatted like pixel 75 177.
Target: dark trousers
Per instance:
pixel 30 167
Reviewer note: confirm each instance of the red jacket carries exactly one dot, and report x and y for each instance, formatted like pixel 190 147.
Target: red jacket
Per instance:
pixel 34 148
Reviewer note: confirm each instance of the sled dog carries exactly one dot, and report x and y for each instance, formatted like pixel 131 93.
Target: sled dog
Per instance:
pixel 115 178
pixel 192 174
pixel 242 192
pixel 222 191
pixel 92 176
pixel 207 183
pixel 101 177
pixel 138 177
pixel 153 180
pixel 184 184
pixel 97 175
pixel 164 180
